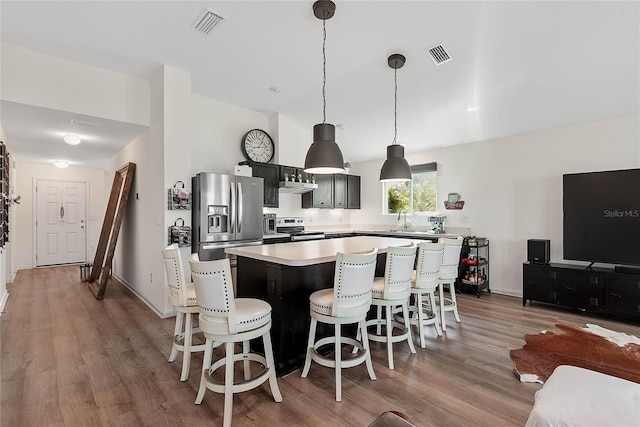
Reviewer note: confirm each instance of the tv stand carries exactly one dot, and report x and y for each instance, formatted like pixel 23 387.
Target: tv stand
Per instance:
pixel 602 290
pixel 627 269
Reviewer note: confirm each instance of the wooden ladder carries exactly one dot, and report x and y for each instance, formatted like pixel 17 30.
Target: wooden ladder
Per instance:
pixel 110 229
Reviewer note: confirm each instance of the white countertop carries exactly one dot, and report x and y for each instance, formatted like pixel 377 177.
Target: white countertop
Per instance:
pixel 316 251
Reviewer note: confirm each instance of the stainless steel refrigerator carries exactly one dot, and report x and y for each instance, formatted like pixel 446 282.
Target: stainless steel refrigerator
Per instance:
pixel 227 212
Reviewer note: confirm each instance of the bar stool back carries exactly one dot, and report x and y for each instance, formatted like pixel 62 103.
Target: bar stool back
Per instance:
pixel 346 303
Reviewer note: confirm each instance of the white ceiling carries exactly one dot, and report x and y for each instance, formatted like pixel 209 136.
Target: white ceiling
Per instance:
pixel 526 66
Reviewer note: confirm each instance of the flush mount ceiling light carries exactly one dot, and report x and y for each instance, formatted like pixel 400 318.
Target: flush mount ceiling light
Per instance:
pixel 324 155
pixel 72 139
pixel 61 164
pixel 395 168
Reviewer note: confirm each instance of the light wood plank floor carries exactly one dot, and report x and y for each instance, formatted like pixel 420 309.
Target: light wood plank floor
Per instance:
pixel 70 360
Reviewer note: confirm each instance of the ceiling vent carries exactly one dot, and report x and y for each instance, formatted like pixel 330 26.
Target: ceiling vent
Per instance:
pixel 438 54
pixel 83 123
pixel 206 21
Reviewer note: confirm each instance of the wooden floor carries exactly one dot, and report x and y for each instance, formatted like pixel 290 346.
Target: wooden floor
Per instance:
pixel 68 359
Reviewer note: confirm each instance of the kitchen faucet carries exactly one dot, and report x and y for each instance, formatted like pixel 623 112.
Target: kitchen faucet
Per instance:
pixel 404 225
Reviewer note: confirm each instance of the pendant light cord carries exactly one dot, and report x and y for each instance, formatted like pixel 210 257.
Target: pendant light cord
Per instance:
pixel 395 105
pixel 324 71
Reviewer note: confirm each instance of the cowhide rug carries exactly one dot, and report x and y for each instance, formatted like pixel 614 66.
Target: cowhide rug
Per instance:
pixel 593 347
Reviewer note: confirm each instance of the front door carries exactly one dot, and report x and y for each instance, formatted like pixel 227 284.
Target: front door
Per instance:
pixel 60 222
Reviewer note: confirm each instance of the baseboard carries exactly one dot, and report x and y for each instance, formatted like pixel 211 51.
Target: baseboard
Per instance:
pixel 160 313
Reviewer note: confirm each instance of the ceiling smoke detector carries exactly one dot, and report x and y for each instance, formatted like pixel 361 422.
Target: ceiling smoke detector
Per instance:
pixel 438 54
pixel 206 21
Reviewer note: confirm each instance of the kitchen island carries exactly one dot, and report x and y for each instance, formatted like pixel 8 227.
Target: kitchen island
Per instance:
pixel 284 275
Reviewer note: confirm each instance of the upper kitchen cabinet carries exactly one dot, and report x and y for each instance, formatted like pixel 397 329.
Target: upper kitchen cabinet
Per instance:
pixel 270 173
pixel 340 191
pixel 322 197
pixel 353 192
pixel 334 191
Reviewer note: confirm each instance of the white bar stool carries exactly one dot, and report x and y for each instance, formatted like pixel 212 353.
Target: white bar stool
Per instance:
pixel 183 299
pixel 229 320
pixel 346 303
pixel 447 276
pixel 425 283
pixel 393 291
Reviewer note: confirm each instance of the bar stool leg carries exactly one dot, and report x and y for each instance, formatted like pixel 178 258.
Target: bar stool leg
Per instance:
pixel 407 324
pixel 442 319
pixel 273 381
pixel 432 301
pixel 177 331
pixel 338 359
pixel 186 352
pixel 365 344
pixel 312 338
pixel 247 363
pixel 228 385
pixel 389 335
pixel 206 364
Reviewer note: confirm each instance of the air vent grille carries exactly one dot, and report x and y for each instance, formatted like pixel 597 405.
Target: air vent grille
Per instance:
pixel 439 55
pixel 207 21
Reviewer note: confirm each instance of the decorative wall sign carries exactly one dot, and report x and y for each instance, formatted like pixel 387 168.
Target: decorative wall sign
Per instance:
pixel 453 202
pixel 180 234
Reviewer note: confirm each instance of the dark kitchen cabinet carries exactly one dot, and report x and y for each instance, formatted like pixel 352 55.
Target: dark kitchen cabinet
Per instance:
pixel 334 191
pixel 322 197
pixel 353 192
pixel 340 191
pixel 270 173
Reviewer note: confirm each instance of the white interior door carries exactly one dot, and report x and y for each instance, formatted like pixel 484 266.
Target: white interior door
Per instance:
pixel 60 222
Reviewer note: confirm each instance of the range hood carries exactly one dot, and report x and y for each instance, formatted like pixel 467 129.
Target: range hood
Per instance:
pixel 296 187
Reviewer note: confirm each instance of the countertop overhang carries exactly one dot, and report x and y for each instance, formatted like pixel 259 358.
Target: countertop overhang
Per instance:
pixel 312 252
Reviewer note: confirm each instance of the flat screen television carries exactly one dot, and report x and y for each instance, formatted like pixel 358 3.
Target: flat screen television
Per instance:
pixel 602 216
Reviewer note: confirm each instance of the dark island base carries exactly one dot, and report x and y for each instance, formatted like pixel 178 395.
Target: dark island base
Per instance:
pixel 287 289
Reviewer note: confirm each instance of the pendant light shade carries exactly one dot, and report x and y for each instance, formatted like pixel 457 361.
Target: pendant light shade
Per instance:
pixel 324 155
pixel 395 168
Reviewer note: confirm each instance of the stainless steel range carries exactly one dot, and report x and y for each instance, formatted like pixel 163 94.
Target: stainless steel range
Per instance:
pixel 294 226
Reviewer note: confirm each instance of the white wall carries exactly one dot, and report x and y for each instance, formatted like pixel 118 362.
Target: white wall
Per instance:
pixel 138 260
pixel 24 223
pixel 512 187
pixel 216 131
pixel 43 80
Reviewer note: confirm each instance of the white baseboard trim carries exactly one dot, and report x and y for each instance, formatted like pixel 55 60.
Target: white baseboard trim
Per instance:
pixel 12 278
pixel 3 301
pixel 507 292
pixel 160 313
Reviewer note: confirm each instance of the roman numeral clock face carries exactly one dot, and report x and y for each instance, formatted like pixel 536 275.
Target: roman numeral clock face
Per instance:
pixel 257 146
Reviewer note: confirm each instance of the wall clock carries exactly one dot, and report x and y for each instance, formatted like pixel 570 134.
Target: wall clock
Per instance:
pixel 257 146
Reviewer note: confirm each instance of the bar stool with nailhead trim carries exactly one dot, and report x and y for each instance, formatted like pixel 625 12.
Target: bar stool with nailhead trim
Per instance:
pixel 346 303
pixel 183 298
pixel 393 291
pixel 229 320
pixel 447 276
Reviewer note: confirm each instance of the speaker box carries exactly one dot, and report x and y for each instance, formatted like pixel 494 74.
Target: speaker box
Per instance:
pixel 538 251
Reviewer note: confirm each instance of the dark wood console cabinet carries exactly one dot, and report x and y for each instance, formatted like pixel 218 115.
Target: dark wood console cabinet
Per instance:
pixel 598 290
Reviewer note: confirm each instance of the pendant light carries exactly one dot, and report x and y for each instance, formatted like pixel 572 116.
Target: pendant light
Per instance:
pixel 395 168
pixel 324 155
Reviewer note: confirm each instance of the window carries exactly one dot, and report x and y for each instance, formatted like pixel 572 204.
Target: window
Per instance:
pixel 413 197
